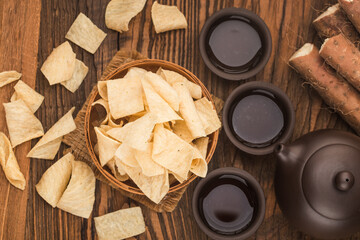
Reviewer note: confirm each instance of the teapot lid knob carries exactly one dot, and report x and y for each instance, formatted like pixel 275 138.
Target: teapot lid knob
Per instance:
pixel 344 181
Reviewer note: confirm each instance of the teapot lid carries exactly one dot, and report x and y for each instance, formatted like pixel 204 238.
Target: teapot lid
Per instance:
pixel 331 181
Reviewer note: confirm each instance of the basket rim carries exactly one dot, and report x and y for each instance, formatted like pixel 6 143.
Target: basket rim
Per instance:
pixel 138 63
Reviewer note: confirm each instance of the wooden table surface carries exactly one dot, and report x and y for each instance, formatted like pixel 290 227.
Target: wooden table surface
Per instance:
pixel 30 29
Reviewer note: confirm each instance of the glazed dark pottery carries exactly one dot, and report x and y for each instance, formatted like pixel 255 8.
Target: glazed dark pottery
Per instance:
pixel 254 193
pixel 317 183
pixel 251 20
pixel 280 103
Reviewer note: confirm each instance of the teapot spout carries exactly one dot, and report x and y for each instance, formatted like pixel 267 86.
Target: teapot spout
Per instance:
pixel 283 153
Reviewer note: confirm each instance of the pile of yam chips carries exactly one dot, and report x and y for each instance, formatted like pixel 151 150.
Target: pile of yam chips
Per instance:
pixel 153 125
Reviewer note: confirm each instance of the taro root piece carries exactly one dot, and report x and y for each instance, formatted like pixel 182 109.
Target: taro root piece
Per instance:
pixel 352 10
pixel 333 22
pixel 335 91
pixel 344 57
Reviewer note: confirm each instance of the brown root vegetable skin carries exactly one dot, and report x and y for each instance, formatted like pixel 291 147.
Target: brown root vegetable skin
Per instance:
pixel 333 22
pixel 335 91
pixel 352 10
pixel 344 57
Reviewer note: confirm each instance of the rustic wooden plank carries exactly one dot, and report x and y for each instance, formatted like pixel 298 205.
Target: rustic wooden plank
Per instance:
pixel 19 24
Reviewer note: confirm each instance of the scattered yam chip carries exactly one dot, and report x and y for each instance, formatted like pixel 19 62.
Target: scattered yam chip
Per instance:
pixel 167 125
pixel 105 106
pixel 126 155
pixel 171 152
pixel 119 13
pixel 164 89
pixel 9 163
pixel 31 98
pixel 115 123
pixel 136 116
pixel 140 132
pixel 120 91
pixel 174 77
pixel 203 120
pixel 14 97
pixel 107 146
pixel 84 33
pixel 54 181
pixel 121 224
pixel 121 132
pixel 118 173
pixel 148 166
pixel 198 165
pixel 49 144
pixel 180 128
pixel 207 112
pixel 177 177
pixel 155 188
pixel 157 105
pixel 79 196
pixel 77 78
pixel 188 111
pixel 135 72
pixel 21 123
pixel 166 18
pixel 102 88
pixel 202 145
pixel 119 168
pixel 106 128
pixel 8 77
pixel 60 64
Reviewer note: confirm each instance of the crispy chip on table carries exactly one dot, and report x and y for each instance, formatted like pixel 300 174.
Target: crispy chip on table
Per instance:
pixel 77 78
pixel 21 122
pixel 119 13
pixel 167 18
pixel 55 180
pixel 79 196
pixel 7 77
pixel 60 64
pixel 49 144
pixel 84 33
pixel 30 97
pixel 9 163
pixel 120 224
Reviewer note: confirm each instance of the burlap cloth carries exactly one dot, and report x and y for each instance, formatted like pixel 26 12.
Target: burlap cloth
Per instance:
pixel 77 143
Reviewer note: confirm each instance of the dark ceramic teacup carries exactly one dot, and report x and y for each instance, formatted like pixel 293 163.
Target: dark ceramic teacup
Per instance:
pixel 235 43
pixel 257 117
pixel 229 204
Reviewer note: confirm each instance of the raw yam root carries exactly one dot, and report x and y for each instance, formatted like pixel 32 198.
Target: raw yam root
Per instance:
pixel 335 91
pixel 333 22
pixel 344 57
pixel 352 10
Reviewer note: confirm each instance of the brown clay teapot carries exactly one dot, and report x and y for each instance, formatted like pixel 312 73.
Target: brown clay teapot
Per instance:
pixel 317 183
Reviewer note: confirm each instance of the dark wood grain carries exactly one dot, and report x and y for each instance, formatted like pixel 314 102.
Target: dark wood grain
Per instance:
pixel 19 24
pixel 27 38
